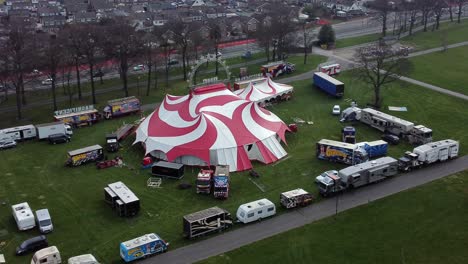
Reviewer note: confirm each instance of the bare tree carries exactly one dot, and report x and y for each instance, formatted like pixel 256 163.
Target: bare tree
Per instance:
pixel 166 44
pixel 384 8
pixel 380 64
pixel 307 39
pixel 51 54
pixel 182 38
pixel 282 26
pixel 122 44
pixel 460 4
pixel 426 9
pixel 149 51
pixel 264 36
pixel 74 44
pixel 438 8
pixel 90 48
pixel 216 35
pixel 16 52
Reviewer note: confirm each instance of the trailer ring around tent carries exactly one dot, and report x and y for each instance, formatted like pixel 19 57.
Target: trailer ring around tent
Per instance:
pixel 212 126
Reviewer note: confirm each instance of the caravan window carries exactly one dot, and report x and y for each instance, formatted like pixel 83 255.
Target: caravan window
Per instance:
pixel 270 209
pixel 43 260
pixel 250 215
pixel 259 212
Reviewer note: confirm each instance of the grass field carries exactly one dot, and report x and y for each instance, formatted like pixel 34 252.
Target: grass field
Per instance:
pixel 423 225
pixel 443 69
pixel 347 42
pixel 34 172
pixel 449 33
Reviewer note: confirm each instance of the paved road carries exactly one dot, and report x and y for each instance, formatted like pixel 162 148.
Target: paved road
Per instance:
pixel 294 219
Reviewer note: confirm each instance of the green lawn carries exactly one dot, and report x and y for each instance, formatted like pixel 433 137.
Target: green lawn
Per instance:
pixel 34 172
pixel 444 69
pixel 422 225
pixel 347 42
pixel 449 33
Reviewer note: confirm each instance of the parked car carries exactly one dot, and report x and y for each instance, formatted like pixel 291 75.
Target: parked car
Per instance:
pixel 32 244
pixel 219 54
pixel 47 81
pixel 139 67
pixel 59 138
pixel 98 74
pixel 172 62
pixel 7 144
pixel 392 139
pixel 336 110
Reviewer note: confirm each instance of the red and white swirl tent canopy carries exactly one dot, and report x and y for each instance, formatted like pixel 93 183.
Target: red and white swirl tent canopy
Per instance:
pixel 212 126
pixel 263 91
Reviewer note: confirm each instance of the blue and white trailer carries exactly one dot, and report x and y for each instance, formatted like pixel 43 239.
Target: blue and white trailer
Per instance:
pixel 141 247
pixel 377 148
pixel 328 84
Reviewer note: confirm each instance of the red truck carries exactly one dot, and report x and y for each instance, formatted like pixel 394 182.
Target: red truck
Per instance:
pixel 205 181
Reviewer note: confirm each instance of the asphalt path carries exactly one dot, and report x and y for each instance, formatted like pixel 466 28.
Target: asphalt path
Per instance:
pixel 254 232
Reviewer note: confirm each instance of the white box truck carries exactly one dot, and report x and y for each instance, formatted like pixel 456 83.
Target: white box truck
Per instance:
pixel 255 210
pixel 23 215
pixel 45 130
pixel 49 255
pixel 83 259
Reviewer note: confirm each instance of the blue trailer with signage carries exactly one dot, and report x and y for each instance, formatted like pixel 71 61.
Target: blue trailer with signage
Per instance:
pixel 336 151
pixel 142 247
pixel 328 84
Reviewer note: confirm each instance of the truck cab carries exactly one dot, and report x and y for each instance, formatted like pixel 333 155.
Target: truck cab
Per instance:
pixel 408 161
pixel 328 182
pixel 221 182
pixel 112 144
pixel 420 135
pixel 204 181
pixel 44 221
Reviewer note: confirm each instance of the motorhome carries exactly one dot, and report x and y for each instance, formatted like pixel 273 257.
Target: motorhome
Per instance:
pixel 255 210
pixel 142 247
pixel 23 215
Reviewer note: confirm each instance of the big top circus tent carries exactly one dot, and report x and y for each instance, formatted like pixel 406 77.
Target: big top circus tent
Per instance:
pixel 264 91
pixel 212 126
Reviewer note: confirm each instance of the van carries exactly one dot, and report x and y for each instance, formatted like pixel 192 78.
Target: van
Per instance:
pixel 255 210
pixel 49 255
pixel 83 259
pixel 32 244
pixel 44 221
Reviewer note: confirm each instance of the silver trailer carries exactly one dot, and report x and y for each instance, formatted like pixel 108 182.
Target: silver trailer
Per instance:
pixel 429 153
pixel 21 132
pixel 415 134
pixel 357 175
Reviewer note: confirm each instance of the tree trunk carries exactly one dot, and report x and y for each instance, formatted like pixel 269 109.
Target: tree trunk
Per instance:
pixel 23 93
pixel 18 101
pixel 425 21
pixel 93 89
pixel 184 65
pixel 78 82
pixel 70 94
pixel 216 63
pixel 384 23
pixel 54 96
pixel 460 5
pixel 437 22
pixel 451 13
pixel 377 96
pixel 155 77
pixel 305 44
pixel 148 82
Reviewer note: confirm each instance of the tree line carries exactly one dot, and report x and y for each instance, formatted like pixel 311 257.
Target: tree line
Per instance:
pixel 25 52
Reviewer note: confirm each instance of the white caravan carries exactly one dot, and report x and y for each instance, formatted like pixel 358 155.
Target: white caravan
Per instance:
pixel 255 210
pixel 23 215
pixel 49 255
pixel 21 132
pixel 83 259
